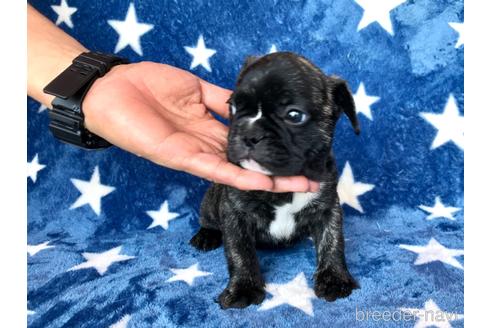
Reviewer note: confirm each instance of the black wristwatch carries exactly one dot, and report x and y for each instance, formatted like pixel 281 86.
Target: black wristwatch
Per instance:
pixel 70 88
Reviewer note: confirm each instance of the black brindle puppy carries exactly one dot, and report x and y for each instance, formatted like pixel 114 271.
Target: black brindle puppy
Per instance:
pixel 283 115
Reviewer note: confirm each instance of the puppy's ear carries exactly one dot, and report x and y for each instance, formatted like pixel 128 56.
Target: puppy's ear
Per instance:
pixel 247 63
pixel 343 100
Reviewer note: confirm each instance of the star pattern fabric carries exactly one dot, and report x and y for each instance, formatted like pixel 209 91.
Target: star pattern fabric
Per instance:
pixel 33 167
pixel 201 54
pixel 363 102
pixel 91 192
pixel 432 316
pixel 42 108
pixel 102 261
pixel 403 60
pixel 460 29
pixel 349 190
pixel 439 210
pixel 64 13
pixel 162 217
pixel 130 31
pixel 122 323
pixel 187 275
pixel 378 11
pixel 34 249
pixel 434 251
pixel 295 293
pixel 449 125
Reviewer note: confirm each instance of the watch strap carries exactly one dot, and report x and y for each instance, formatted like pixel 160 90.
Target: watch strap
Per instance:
pixel 85 68
pixel 68 126
pixel 69 89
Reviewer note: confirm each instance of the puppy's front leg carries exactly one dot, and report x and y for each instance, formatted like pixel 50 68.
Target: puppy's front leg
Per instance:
pixel 246 285
pixel 332 278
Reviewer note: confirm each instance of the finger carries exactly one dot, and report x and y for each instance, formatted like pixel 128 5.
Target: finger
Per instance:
pixel 314 186
pixel 215 97
pixel 216 130
pixel 291 184
pixel 218 169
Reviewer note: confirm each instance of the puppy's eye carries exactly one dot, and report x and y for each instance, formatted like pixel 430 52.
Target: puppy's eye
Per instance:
pixel 295 116
pixel 233 109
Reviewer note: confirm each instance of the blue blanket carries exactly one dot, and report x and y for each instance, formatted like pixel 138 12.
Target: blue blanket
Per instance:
pixel 108 231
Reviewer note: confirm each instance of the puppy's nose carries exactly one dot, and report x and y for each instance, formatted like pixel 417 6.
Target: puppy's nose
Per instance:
pixel 252 141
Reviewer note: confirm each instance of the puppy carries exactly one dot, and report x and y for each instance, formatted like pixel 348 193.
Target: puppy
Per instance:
pixel 282 119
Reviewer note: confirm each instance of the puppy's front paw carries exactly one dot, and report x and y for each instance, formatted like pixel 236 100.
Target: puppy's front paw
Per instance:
pixel 330 286
pixel 241 295
pixel 207 239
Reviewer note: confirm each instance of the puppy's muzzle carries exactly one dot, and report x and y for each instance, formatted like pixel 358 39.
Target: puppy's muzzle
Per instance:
pixel 252 165
pixel 251 141
pixel 246 147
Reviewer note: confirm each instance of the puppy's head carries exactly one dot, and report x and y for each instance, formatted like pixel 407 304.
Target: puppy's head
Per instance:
pixel 283 114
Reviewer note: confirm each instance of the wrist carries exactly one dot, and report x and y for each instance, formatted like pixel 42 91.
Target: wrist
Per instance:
pixel 49 52
pixel 70 88
pixel 46 73
pixel 94 118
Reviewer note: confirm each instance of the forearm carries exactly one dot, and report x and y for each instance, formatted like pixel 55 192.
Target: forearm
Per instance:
pixel 49 52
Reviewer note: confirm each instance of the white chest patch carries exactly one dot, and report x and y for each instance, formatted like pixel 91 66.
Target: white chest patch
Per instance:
pixel 284 224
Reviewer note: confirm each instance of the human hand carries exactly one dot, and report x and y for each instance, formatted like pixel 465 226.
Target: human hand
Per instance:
pixel 160 112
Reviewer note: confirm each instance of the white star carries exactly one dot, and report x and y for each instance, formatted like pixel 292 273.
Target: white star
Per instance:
pixel 439 210
pixel 122 323
pixel 449 125
pixel 34 249
pixel 273 49
pixel 33 167
pixel 29 312
pixel 200 54
pixel 162 216
pixel 460 28
pixel 64 13
pixel 101 261
pixel 363 102
pixel 378 11
pixel 187 275
pixel 130 31
pixel 348 190
pixel 432 316
pixel 92 192
pixel 42 108
pixel 296 293
pixel 434 251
